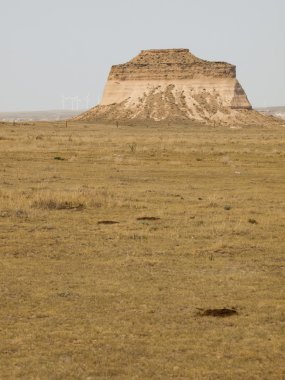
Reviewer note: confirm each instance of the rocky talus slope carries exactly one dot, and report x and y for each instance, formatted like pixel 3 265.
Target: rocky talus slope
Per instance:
pixel 173 85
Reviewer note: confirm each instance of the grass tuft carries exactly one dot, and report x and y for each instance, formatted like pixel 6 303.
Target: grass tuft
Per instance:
pixel 252 221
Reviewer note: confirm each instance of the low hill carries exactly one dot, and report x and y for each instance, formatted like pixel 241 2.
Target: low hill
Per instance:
pixel 274 111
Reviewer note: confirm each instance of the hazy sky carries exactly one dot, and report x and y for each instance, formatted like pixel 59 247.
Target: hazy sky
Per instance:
pixel 51 48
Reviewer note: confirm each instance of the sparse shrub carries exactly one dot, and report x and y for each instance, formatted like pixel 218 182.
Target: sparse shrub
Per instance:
pixel 225 160
pixel 227 208
pixel 213 201
pixel 213 204
pixel 133 147
pixel 57 204
pixel 138 237
pixel 59 158
pixel 58 200
pixel 252 221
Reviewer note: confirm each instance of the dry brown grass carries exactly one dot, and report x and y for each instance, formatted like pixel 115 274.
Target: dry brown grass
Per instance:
pixel 139 299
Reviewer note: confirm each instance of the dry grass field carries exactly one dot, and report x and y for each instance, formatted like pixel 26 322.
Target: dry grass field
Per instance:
pixel 200 218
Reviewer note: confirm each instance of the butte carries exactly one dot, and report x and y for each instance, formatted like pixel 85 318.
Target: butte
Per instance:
pixel 173 85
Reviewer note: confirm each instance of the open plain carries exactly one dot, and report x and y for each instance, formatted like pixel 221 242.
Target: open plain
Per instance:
pixel 116 244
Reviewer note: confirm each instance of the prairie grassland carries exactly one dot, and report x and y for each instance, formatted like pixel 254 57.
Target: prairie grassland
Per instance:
pixel 82 298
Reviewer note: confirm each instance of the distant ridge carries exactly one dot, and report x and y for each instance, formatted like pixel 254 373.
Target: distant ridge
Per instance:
pixel 274 111
pixel 49 115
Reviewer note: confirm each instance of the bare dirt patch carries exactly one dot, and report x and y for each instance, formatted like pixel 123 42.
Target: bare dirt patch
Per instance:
pixel 150 218
pixel 219 313
pixel 108 222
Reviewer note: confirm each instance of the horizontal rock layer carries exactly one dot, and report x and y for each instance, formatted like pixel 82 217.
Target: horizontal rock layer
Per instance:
pixel 170 65
pixel 227 91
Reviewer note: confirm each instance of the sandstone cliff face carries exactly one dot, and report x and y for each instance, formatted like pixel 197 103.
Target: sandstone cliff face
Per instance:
pixel 172 85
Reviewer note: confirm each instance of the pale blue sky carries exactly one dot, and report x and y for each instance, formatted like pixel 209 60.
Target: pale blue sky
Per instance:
pixel 55 47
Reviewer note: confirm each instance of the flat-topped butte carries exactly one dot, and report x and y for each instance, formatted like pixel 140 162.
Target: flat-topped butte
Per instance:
pixel 174 85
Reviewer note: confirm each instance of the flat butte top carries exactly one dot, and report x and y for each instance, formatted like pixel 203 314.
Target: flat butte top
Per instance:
pixel 170 64
pixel 166 56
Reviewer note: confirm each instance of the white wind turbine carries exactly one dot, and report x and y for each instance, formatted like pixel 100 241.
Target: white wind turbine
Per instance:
pixel 75 101
pixel 87 101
